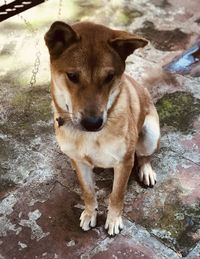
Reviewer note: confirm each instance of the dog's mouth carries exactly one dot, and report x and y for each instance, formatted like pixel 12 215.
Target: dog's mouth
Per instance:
pixel 92 130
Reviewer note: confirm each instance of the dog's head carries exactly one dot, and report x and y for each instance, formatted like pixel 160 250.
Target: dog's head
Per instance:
pixel 87 63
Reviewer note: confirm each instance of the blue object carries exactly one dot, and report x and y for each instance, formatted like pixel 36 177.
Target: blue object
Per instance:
pixel 184 62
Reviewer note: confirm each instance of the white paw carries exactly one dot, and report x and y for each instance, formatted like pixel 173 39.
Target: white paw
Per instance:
pixel 114 224
pixel 88 219
pixel 147 175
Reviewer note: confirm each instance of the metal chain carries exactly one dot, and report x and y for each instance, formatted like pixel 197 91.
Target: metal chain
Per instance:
pixel 34 31
pixel 60 9
pixel 28 24
pixel 35 69
pixel 36 65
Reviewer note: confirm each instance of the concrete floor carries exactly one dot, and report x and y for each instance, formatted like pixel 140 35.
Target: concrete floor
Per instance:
pixel 40 197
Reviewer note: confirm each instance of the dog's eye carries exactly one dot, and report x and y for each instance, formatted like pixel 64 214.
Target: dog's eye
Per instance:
pixel 109 78
pixel 73 77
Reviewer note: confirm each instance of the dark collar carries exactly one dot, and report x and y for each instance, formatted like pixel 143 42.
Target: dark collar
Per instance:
pixel 60 121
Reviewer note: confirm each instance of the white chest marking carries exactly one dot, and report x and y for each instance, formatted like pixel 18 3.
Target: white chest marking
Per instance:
pixel 101 153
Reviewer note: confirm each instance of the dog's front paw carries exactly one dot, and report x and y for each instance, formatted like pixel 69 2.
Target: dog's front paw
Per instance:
pixel 88 219
pixel 114 224
pixel 147 175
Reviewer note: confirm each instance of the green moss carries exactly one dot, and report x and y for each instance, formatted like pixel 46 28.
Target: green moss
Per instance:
pixel 35 104
pixel 19 100
pixel 178 110
pixel 181 222
pixel 12 76
pixel 169 221
pixel 125 16
pixel 192 222
pixel 26 109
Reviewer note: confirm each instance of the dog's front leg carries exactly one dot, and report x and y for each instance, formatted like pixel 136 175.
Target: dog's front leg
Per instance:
pixel 121 175
pixel 85 176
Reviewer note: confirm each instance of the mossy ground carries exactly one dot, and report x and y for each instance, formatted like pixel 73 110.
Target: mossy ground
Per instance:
pixel 27 108
pixel 29 113
pixel 178 110
pixel 125 15
pixel 35 103
pixel 181 222
pixel 177 223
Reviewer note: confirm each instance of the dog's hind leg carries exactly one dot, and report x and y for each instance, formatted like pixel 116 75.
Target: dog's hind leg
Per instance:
pixel 85 177
pixel 148 143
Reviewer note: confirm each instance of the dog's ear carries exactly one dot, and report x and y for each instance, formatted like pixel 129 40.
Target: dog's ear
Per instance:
pixel 59 37
pixel 125 43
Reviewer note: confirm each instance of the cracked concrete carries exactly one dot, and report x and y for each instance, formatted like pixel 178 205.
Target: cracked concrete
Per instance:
pixel 40 197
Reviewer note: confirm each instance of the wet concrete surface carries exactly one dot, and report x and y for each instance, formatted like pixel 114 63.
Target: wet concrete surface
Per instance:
pixel 40 196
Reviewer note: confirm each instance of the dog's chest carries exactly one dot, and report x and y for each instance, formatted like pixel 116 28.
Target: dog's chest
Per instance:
pixel 95 150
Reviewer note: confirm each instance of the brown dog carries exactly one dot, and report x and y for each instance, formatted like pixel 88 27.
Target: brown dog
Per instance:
pixel 102 116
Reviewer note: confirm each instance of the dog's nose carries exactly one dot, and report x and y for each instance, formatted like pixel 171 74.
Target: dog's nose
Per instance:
pixel 92 123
